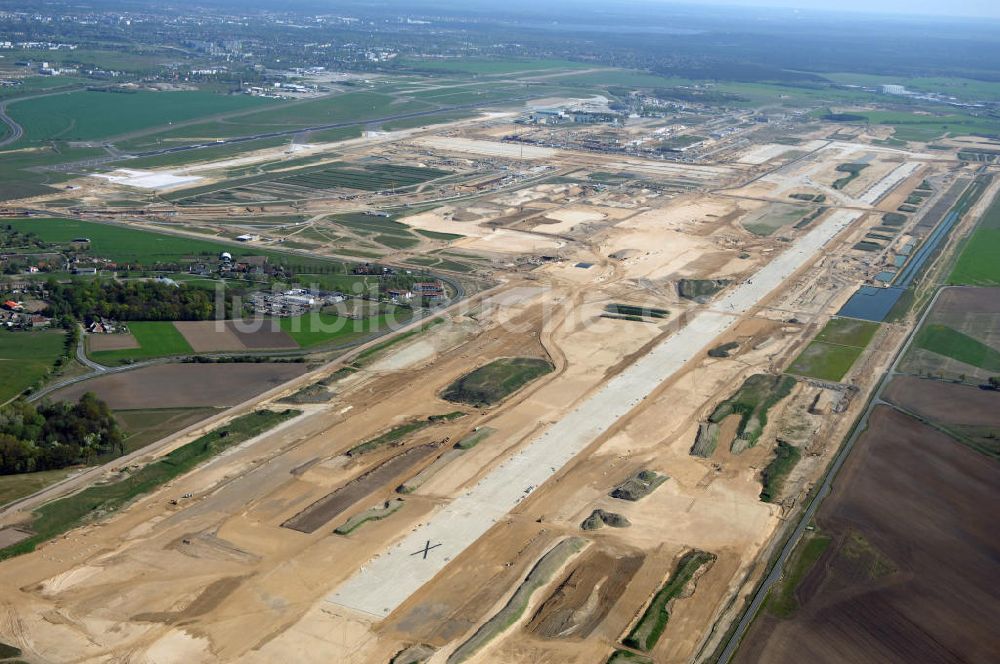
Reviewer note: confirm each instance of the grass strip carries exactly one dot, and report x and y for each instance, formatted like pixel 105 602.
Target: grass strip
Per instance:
pixel 64 514
pixel 782 603
pixel 493 382
pixel 758 394
pixel 474 438
pixel 373 514
pixel 396 434
pixel 631 310
pixel 627 656
pixel 785 458
pixel 650 627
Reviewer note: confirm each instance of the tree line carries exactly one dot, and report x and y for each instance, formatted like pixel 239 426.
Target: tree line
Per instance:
pixel 129 300
pixel 56 435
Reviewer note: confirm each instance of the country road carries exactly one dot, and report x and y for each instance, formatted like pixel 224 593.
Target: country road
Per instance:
pixel 81 480
pixel 16 131
pixel 777 569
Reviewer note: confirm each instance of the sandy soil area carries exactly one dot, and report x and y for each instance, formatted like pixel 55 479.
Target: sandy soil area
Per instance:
pixel 218 577
pixel 159 180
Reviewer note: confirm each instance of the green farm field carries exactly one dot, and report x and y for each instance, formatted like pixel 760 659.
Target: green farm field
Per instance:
pixel 88 115
pixel 119 243
pixel 146 426
pixel 483 66
pixel 349 107
pixel 782 601
pixel 156 339
pixel 848 332
pixel 38 84
pixel 978 264
pixel 920 127
pixel 959 346
pixel 834 350
pixel 25 358
pixel 966 89
pixel 134 245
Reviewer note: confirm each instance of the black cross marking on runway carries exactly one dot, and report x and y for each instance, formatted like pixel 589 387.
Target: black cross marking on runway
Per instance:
pixel 426 549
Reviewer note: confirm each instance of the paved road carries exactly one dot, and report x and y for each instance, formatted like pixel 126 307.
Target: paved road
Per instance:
pixel 81 355
pixel 16 131
pixel 810 511
pixel 85 477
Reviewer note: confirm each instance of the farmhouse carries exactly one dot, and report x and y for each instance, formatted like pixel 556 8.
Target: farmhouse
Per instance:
pixel 431 290
pixel 252 264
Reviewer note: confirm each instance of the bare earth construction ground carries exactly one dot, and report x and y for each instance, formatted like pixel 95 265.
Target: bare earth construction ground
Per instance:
pixel 248 567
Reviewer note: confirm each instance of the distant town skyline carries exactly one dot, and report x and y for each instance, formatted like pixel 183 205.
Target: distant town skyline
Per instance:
pixel 955 8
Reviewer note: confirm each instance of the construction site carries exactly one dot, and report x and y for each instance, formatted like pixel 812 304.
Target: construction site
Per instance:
pixel 572 460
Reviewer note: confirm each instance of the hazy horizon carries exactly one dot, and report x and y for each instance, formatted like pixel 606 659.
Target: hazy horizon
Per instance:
pixel 957 8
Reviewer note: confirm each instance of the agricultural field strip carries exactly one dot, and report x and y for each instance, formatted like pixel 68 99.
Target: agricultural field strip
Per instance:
pixel 388 580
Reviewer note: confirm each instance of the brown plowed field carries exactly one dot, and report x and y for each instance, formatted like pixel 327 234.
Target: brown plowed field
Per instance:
pixel 268 336
pixel 948 403
pixel 209 335
pixel 184 385
pixel 912 574
pixel 958 301
pixel 97 342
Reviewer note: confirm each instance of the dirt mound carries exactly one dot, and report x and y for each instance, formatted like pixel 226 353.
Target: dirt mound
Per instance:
pixel 491 383
pixel 599 518
pixel 329 506
pixel 415 654
pixel 638 486
pixel 539 575
pixel 701 290
pixel 706 440
pixel 586 595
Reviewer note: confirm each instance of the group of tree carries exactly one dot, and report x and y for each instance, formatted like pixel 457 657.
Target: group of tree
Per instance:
pixel 56 435
pixel 11 238
pixel 129 300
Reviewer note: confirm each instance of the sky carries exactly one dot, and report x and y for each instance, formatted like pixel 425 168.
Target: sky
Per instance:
pixel 954 8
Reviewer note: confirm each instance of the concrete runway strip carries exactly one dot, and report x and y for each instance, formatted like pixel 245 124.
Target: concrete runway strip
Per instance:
pixel 389 579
